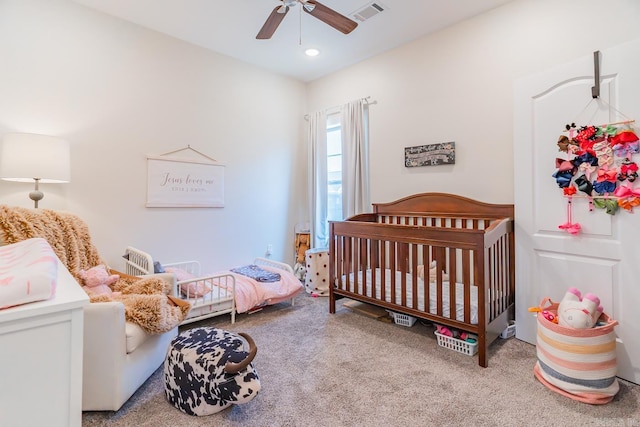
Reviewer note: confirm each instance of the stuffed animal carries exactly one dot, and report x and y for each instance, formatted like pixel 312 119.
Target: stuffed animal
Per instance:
pixel 97 280
pixel 576 311
pixel 300 271
pixel 432 272
pixel 301 246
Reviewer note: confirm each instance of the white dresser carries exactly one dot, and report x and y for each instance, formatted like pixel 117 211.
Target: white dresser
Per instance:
pixel 41 359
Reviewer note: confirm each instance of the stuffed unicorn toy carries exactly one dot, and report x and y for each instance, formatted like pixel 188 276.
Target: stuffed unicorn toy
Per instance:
pixel 576 311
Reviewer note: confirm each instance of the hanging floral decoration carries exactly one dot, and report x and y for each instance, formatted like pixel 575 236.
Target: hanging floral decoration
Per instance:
pixel 599 160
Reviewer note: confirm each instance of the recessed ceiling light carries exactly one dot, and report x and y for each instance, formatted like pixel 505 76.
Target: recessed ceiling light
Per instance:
pixel 312 52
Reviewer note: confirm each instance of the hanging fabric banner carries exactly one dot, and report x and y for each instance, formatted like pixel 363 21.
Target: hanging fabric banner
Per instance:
pixel 179 182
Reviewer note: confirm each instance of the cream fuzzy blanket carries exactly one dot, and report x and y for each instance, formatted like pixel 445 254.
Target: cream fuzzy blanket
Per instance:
pixel 67 234
pixel 146 301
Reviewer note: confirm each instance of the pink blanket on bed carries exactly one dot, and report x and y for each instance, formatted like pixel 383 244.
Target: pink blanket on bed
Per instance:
pixel 251 293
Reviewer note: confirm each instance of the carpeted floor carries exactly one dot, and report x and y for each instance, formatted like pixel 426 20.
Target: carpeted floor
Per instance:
pixel 347 369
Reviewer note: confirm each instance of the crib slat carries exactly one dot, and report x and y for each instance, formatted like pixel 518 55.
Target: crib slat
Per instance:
pixel 499 287
pixel 493 285
pixel 503 274
pixel 402 257
pixel 361 266
pixel 437 254
pixel 453 265
pixel 414 277
pixel 383 268
pixel 466 280
pixel 348 263
pixel 339 265
pixel 451 285
pixel 374 262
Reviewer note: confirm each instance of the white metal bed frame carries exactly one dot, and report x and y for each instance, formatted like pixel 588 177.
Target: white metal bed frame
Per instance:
pixel 221 299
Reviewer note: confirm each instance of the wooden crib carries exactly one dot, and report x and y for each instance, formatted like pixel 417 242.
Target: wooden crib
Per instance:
pixel 383 258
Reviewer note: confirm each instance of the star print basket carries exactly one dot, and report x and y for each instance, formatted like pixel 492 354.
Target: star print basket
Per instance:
pixel 577 363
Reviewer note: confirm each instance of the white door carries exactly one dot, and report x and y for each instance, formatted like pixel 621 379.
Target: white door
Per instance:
pixel 604 258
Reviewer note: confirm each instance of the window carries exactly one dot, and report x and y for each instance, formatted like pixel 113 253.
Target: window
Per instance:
pixel 334 168
pixel 338 167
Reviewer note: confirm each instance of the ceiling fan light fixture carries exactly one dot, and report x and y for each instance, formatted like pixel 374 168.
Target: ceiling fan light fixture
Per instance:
pixel 313 8
pixel 312 52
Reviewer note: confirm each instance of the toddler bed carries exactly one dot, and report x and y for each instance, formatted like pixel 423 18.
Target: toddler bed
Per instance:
pixel 467 245
pixel 222 292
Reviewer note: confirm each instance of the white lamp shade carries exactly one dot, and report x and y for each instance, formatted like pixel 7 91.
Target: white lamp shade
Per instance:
pixel 27 156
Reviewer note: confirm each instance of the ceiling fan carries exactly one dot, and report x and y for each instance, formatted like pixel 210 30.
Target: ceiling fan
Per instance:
pixel 313 8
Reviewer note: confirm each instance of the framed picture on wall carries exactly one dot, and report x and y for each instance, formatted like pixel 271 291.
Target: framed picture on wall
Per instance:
pixel 184 183
pixel 443 153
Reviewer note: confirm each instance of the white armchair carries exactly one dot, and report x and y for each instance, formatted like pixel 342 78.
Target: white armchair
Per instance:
pixel 119 356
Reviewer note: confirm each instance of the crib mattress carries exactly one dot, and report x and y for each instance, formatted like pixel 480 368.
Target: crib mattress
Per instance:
pixel 433 293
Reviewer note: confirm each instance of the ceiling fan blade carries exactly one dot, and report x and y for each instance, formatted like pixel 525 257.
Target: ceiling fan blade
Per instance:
pixel 330 17
pixel 273 21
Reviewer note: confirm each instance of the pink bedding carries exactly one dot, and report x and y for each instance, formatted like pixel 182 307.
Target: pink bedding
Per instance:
pixel 251 293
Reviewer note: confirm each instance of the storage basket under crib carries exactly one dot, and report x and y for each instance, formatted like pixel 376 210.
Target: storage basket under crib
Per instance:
pixel 455 344
pixel 402 319
pixel 577 363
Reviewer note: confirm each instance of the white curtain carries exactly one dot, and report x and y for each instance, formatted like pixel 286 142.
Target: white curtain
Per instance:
pixel 354 123
pixel 317 137
pixel 355 158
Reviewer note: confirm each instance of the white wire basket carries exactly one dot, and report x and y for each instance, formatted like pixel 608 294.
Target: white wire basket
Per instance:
pixel 464 347
pixel 510 331
pixel 403 319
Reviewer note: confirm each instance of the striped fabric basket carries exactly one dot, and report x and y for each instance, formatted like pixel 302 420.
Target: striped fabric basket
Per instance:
pixel 577 363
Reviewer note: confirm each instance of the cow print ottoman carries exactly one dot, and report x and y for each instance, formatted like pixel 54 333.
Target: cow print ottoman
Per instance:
pixel 206 370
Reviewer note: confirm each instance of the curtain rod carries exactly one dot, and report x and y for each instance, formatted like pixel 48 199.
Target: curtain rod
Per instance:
pixel 367 99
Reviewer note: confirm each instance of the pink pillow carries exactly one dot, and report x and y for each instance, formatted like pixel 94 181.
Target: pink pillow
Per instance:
pixel 191 289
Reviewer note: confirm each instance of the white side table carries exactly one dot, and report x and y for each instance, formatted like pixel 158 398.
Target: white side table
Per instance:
pixel 41 358
pixel 317 278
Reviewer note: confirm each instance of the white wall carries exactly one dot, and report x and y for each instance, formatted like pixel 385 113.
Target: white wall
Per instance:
pixel 457 85
pixel 118 93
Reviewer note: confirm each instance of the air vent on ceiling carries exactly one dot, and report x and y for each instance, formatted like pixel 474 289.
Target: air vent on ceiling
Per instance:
pixel 368 11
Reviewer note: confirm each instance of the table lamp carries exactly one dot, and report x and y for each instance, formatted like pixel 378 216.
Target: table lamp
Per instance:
pixel 28 157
